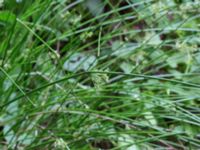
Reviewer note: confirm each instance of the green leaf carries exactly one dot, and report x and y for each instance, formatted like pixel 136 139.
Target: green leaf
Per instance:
pixel 79 61
pixel 7 17
pixel 95 6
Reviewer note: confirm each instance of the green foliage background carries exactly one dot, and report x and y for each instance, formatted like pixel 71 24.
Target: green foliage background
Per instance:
pixel 100 74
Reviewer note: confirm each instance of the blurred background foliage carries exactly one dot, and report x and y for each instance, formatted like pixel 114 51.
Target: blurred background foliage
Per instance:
pixel 99 74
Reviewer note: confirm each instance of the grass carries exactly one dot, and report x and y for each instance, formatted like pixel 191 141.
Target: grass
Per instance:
pixel 94 74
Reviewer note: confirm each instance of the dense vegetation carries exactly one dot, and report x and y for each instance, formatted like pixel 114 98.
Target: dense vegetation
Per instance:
pixel 100 74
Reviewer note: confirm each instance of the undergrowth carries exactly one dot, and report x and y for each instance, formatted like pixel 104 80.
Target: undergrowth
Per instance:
pixel 100 74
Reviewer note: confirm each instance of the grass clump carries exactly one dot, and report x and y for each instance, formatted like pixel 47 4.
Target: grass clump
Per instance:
pixel 94 74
